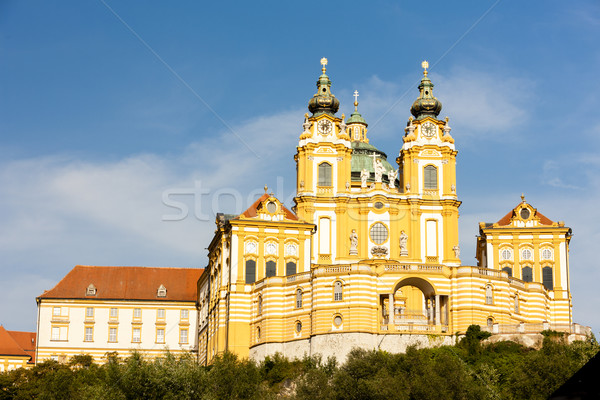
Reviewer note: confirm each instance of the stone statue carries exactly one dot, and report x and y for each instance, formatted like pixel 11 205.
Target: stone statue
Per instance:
pixel 392 178
pixel 456 251
pixel 453 187
pixel 343 126
pixel 403 244
pixel 364 175
pixel 379 169
pixel 408 187
pixel 353 243
pixel 306 124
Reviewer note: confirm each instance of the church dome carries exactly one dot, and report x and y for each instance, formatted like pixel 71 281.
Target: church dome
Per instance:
pixel 323 101
pixel 426 105
pixel 356 118
pixel 362 158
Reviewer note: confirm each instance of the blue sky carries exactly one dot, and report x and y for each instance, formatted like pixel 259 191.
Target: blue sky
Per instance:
pixel 109 108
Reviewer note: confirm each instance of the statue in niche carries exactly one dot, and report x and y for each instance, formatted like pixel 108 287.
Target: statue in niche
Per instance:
pixel 392 178
pixel 364 175
pixel 353 243
pixel 379 169
pixel 408 188
pixel 403 244
pixel 456 251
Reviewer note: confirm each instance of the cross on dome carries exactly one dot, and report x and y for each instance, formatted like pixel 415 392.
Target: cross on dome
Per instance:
pixel 356 100
pixel 323 63
pixel 425 65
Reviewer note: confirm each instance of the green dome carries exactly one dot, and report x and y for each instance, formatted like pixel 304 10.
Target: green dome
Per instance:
pixel 362 158
pixel 355 117
pixel 323 101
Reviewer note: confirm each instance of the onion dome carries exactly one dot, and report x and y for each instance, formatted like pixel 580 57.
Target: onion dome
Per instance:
pixel 323 101
pixel 426 105
pixel 355 117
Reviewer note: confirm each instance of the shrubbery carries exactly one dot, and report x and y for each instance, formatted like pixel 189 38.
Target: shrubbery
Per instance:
pixel 470 370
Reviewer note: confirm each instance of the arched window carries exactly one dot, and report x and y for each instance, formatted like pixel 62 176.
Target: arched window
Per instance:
pixel 324 174
pixel 516 304
pixel 250 271
pixel 508 270
pixel 356 133
pixel 489 297
pixel 527 274
pixel 547 280
pixel 259 305
pixel 271 269
pixel 290 268
pixel 258 334
pixel 490 324
pixel 431 177
pixel 299 298
pixel 337 291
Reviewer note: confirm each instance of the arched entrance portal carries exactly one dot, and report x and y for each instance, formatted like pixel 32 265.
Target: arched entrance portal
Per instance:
pixel 414 305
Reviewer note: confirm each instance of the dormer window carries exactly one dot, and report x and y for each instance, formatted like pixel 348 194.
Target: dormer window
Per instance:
pixel 162 291
pixel 91 290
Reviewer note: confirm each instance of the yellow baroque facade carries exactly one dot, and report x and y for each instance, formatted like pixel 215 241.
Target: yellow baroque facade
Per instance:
pixel 370 255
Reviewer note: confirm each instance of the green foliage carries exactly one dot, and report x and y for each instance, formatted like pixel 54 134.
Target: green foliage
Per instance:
pixel 470 370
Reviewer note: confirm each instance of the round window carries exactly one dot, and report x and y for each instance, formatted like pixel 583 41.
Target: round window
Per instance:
pixel 526 254
pixel 547 254
pixel 525 213
pixel 378 233
pixel 506 254
pixel 337 321
pixel 378 205
pixel 271 207
pixel 298 326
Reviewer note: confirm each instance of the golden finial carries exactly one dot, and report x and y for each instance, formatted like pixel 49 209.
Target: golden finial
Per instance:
pixel 356 100
pixel 266 188
pixel 323 63
pixel 425 65
pixel 523 197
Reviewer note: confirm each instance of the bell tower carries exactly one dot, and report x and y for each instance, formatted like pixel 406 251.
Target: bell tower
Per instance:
pixel 323 167
pixel 428 162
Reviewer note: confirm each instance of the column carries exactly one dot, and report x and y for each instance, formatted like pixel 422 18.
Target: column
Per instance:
pixel 437 310
pixel 391 308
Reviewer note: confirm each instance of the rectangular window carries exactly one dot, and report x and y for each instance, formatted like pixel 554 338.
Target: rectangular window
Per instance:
pixel 324 233
pixel 270 269
pixel 137 335
pixel 290 268
pixel 160 335
pixel 89 334
pixel 250 271
pixel 547 280
pixel 432 244
pixel 56 311
pixel 137 313
pixel 114 313
pixel 324 174
pixel 160 313
pixel 89 312
pixel 430 180
pixel 55 333
pixel 112 334
pixel 185 314
pixel 183 336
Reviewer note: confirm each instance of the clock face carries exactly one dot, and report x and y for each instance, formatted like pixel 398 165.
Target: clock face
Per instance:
pixel 428 130
pixel 325 127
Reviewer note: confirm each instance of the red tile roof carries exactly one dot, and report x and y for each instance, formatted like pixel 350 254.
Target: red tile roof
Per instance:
pixel 11 344
pixel 251 211
pixel 127 283
pixel 506 219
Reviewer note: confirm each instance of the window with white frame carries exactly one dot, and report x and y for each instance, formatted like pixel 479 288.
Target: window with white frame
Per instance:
pixel 89 334
pixel 489 296
pixel 89 312
pixel 506 254
pixel 114 313
pixel 431 179
pixel 337 291
pixel 546 254
pixel 183 336
pixel 137 313
pixel 160 313
pixel 526 254
pixel 112 334
pixel 160 335
pixel 185 314
pixel 299 298
pixel 56 311
pixel 161 291
pixel 137 335
pixel 55 333
pixel 324 170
